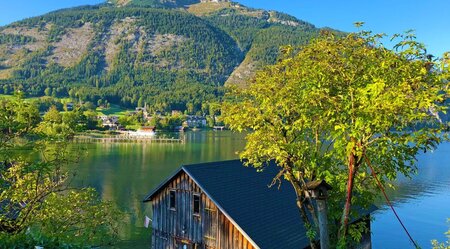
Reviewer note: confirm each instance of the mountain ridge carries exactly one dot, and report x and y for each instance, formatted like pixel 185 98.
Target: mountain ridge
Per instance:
pixel 166 3
pixel 168 57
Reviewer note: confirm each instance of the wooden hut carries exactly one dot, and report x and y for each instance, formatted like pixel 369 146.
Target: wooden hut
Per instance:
pixel 226 205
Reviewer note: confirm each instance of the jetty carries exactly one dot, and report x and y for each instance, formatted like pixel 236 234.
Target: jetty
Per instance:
pixel 127 139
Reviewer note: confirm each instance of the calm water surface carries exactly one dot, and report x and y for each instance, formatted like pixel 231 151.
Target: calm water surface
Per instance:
pixel 125 173
pixel 423 204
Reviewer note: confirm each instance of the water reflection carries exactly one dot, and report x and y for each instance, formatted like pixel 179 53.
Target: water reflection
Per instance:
pixel 422 202
pixel 125 173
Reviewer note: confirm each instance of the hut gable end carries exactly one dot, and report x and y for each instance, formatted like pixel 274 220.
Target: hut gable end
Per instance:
pixel 176 225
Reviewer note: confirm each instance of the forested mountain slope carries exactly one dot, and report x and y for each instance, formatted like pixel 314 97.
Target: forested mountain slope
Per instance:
pixel 177 54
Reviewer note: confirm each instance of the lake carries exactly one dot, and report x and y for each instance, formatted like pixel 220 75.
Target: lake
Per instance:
pixel 125 172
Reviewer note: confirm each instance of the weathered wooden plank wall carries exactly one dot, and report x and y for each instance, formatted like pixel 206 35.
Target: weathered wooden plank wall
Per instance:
pixel 174 228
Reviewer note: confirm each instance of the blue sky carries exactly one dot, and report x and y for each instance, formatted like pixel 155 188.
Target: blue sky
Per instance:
pixel 430 18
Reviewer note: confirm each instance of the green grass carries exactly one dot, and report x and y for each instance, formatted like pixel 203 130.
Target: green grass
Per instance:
pixel 65 100
pixel 4 96
pixel 113 110
pixel 133 127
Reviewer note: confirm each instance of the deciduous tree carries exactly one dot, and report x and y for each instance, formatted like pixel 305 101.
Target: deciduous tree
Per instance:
pixel 35 191
pixel 336 107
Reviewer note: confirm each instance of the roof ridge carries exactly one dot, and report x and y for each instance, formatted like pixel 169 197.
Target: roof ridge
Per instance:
pixel 184 168
pixel 209 163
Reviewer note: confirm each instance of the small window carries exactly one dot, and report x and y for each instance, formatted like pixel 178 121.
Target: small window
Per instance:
pixel 172 199
pixel 196 204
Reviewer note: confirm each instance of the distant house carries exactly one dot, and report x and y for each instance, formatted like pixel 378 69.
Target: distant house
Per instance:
pixel 147 129
pixel 144 131
pixel 112 122
pixel 226 205
pixel 195 121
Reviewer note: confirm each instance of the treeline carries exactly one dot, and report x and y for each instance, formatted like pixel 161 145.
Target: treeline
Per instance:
pixel 261 38
pixel 266 45
pixel 242 28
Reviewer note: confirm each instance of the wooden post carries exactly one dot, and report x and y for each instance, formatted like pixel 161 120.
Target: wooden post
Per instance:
pixel 323 223
pixel 318 190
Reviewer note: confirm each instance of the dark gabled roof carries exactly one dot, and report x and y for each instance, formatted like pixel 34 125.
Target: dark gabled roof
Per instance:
pixel 267 217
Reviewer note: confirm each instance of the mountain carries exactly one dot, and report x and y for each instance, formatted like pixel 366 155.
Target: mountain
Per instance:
pixel 163 3
pixel 167 53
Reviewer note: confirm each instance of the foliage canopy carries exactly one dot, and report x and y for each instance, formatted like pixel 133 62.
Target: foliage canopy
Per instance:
pixel 338 106
pixel 38 206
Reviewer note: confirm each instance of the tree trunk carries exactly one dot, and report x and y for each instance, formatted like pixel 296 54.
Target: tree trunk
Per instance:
pixel 352 168
pixel 305 221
